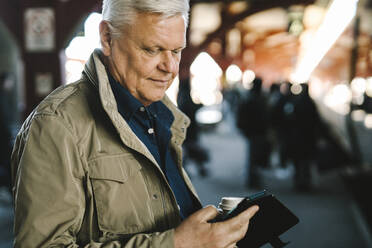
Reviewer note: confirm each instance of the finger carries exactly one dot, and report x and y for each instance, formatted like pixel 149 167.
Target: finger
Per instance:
pixel 243 218
pixel 239 224
pixel 250 212
pixel 207 213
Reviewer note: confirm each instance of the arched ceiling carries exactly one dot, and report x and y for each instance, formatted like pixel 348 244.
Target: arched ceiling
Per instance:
pixel 11 14
pixel 275 52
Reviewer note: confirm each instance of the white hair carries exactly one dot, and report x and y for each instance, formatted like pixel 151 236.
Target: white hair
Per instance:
pixel 121 12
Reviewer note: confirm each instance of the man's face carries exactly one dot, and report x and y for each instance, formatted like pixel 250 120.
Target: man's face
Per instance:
pixel 145 59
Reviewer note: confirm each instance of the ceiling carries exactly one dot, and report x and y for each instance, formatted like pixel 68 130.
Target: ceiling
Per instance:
pixel 270 50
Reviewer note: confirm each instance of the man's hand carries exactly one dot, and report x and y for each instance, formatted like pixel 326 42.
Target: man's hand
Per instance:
pixel 197 232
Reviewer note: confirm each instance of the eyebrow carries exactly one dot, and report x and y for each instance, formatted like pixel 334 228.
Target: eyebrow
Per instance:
pixel 179 48
pixel 162 48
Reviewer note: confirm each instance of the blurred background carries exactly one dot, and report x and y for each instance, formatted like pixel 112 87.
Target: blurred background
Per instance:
pixel 280 95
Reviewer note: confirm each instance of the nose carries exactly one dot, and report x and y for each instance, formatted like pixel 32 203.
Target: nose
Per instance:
pixel 169 62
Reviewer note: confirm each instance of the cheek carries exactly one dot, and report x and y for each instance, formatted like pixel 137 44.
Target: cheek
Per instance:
pixel 145 63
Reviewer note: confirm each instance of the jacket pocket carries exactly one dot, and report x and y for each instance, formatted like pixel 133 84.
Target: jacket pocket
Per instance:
pixel 121 196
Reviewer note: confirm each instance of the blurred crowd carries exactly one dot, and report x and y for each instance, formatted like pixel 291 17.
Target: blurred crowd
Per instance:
pixel 285 120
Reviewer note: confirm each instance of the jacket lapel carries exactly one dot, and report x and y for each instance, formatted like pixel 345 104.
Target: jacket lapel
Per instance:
pixel 97 74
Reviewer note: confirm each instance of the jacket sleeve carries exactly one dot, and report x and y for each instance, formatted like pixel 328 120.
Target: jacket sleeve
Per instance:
pixel 49 194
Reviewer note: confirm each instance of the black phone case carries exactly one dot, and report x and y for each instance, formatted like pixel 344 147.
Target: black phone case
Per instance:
pixel 272 220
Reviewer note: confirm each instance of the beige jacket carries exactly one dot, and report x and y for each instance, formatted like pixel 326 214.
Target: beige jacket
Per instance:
pixel 82 177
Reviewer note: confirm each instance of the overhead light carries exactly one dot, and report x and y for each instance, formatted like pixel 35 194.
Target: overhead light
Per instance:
pixel 337 18
pixel 233 74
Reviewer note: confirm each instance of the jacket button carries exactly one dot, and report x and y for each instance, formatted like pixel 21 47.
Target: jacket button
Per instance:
pixel 155 196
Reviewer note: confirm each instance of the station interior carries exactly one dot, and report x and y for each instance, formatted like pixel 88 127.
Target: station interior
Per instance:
pixel 323 44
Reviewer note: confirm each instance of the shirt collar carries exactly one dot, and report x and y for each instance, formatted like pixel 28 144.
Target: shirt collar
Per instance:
pixel 127 103
pixel 162 113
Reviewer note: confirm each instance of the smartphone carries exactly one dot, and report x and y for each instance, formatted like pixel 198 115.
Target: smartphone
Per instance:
pixel 245 204
pixel 272 220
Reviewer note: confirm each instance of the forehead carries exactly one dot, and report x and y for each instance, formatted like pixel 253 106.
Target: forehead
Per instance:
pixel 156 30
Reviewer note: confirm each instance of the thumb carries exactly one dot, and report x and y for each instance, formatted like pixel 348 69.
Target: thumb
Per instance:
pixel 207 213
pixel 248 214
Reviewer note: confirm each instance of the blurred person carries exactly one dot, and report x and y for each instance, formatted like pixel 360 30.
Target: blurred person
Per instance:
pixel 5 136
pixel 274 94
pixel 98 163
pixel 5 132
pixel 193 149
pixel 252 120
pixel 302 128
pixel 6 87
pixel 232 96
pixel 272 100
pixel 367 103
pixel 279 97
pixel 5 152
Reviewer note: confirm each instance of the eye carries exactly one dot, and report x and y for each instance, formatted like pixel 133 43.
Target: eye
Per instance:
pixel 177 51
pixel 151 51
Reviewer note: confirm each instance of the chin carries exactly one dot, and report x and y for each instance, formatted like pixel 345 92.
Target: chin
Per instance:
pixel 158 98
pixel 151 99
pixel 158 95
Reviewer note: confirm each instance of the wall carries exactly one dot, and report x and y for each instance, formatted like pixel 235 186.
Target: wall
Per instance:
pixel 10 62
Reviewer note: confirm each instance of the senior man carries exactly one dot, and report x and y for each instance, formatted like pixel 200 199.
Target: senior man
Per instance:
pixel 98 163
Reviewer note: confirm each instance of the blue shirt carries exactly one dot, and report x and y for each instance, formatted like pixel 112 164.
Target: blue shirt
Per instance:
pixel 152 125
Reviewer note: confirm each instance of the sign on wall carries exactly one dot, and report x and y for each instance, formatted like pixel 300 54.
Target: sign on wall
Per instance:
pixel 39 29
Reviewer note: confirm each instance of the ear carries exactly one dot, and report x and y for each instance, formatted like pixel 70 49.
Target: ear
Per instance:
pixel 105 36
